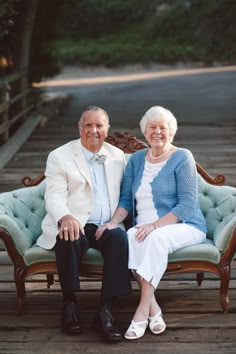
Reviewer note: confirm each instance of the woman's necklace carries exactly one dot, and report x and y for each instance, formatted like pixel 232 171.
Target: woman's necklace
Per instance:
pixel 160 156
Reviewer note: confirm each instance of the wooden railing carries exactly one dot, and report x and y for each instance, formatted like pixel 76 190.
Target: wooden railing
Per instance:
pixel 15 104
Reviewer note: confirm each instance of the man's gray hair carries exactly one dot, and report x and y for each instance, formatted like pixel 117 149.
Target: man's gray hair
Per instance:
pixel 156 114
pixel 93 108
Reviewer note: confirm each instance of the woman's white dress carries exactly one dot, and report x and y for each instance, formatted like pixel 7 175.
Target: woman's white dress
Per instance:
pixel 150 257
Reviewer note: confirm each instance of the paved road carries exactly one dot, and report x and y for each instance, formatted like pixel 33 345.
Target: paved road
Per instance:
pixel 193 95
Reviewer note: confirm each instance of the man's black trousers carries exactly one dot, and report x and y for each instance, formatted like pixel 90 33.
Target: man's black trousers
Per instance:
pixel 113 246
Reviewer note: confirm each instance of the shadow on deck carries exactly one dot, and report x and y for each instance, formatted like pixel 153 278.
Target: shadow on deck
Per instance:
pixel 195 322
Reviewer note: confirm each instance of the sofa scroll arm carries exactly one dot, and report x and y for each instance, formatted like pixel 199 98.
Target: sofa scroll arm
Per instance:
pixel 15 256
pixel 19 269
pixel 27 181
pixel 218 180
pixel 225 270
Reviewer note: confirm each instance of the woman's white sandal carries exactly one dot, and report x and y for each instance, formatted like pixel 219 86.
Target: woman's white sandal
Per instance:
pixel 157 321
pixel 138 328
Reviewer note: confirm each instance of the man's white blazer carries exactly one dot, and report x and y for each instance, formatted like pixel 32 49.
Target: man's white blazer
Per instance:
pixel 69 187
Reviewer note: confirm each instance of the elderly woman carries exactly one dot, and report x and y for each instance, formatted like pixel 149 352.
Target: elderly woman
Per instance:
pixel 160 191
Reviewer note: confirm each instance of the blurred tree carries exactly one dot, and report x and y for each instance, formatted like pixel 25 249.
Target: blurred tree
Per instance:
pixel 44 63
pixel 24 29
pixel 9 10
pixel 26 26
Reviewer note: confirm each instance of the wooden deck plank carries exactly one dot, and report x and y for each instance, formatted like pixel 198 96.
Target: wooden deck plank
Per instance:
pixel 195 322
pixel 89 347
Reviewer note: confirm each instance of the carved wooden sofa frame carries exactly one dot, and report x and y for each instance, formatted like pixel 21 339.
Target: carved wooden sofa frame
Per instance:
pixel 211 197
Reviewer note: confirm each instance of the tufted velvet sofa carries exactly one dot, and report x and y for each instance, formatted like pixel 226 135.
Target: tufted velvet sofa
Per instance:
pixel 22 211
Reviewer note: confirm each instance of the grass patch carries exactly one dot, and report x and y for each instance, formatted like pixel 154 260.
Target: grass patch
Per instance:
pixel 117 50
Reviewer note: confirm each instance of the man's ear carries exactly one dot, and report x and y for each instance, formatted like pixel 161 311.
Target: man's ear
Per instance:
pixel 107 130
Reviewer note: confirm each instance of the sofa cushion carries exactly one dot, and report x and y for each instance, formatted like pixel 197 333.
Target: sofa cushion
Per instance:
pixel 36 254
pixel 205 251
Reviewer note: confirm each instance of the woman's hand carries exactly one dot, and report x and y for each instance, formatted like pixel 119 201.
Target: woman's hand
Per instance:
pixel 143 231
pixel 109 226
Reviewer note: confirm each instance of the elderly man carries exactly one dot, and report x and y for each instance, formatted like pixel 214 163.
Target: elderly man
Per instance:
pixel 83 179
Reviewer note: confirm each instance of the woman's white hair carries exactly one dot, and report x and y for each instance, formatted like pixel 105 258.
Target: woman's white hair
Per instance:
pixel 156 114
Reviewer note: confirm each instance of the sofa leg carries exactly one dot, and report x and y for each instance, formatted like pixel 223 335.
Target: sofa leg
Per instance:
pixel 20 290
pixel 200 278
pixel 50 280
pixel 224 287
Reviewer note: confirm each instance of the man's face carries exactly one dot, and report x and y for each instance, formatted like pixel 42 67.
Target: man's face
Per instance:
pixel 93 130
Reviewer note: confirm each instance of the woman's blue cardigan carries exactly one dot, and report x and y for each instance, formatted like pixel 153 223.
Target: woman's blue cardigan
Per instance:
pixel 174 189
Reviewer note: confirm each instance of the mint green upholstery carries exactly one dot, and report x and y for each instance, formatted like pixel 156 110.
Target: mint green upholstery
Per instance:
pixel 37 254
pixel 21 214
pixel 218 204
pixel 22 211
pixel 205 251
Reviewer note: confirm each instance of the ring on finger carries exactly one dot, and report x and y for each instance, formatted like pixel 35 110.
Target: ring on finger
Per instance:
pixel 65 228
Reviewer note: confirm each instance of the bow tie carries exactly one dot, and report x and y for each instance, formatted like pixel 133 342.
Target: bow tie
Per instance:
pixel 98 158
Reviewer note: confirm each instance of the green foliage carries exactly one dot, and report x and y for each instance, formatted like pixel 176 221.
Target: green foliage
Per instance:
pixel 113 51
pixel 96 18
pixel 208 24
pixel 118 31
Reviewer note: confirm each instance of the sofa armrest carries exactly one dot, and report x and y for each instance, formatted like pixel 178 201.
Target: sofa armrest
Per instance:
pixel 223 235
pixel 19 238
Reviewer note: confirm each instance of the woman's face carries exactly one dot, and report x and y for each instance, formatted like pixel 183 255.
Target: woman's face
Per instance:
pixel 158 134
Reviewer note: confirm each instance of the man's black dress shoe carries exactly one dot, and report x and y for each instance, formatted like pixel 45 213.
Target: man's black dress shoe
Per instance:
pixel 70 318
pixel 105 325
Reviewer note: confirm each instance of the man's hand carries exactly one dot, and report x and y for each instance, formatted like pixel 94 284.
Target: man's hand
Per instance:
pixel 70 228
pixel 101 229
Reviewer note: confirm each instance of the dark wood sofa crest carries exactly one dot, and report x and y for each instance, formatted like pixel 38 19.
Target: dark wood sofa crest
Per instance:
pixel 218 203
